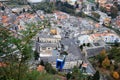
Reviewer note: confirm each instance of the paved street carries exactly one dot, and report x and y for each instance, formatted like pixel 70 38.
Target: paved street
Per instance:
pixel 77 55
pixel 72 49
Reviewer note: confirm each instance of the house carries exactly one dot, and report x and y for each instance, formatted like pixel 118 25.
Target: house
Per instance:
pixel 106 37
pixel 107 21
pixel 40 68
pixel 111 38
pixel 108 7
pixel 84 39
pixel 60 15
pixel 104 17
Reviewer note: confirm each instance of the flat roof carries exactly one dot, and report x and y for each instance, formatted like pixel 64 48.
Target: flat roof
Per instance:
pixel 34 1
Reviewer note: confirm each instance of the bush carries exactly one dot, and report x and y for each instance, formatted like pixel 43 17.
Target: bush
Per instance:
pixel 49 68
pixel 115 75
pixel 106 63
pixel 96 15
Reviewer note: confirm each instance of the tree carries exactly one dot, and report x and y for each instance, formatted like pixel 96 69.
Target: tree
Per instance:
pixel 15 57
pixel 42 63
pixel 103 9
pixel 35 75
pixel 114 54
pixel 17 52
pixel 77 74
pixel 96 76
pixel 101 56
pixel 50 69
pixel 114 11
pixel 81 47
pixel 47 7
pixel 19 2
pixel 88 44
pixel 3 8
pixel 81 14
pixel 68 75
pixel 23 10
pixel 36 55
pixel 115 75
pixel 84 44
pixel 112 67
pixel 116 4
pixel 97 5
pixel 116 43
pixel 64 53
pixel 93 8
pixel 106 63
pixel 96 15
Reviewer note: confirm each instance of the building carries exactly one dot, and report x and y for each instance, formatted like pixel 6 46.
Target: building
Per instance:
pixel 60 62
pixel 4 0
pixel 34 1
pixel 84 39
pixel 101 2
pixel 107 21
pixel 72 2
pixel 47 41
pixel 111 38
pixel 106 37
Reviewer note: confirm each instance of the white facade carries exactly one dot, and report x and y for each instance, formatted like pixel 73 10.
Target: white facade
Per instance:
pixel 111 38
pixel 34 1
pixel 84 39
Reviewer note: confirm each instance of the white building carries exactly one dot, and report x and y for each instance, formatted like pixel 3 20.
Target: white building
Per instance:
pixel 84 39
pixel 111 38
pixel 35 1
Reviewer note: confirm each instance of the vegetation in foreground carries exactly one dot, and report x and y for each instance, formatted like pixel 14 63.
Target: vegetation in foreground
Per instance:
pixel 108 63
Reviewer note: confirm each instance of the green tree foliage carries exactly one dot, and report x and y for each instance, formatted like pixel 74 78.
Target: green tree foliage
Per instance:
pixel 18 2
pixel 114 53
pixel 88 44
pixel 42 63
pixel 15 58
pixel 77 74
pixel 68 75
pixel 64 53
pixel 96 15
pixel 35 75
pixel 96 76
pixel 16 52
pixel 103 9
pixel 101 56
pixel 47 7
pixel 65 7
pixel 36 55
pixel 84 44
pixel 81 14
pixel 49 68
pixel 97 5
pixel 106 63
pixel 114 11
pixel 81 47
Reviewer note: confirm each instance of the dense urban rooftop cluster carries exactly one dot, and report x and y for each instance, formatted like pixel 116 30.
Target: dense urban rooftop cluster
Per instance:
pixel 67 35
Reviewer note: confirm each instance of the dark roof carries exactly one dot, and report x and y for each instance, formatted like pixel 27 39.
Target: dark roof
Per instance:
pixel 94 52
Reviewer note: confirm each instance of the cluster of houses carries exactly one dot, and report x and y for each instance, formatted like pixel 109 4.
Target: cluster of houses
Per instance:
pixel 63 25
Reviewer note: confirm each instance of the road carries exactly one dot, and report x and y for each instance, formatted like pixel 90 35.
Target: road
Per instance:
pixel 76 53
pixel 73 49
